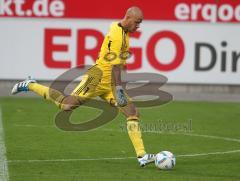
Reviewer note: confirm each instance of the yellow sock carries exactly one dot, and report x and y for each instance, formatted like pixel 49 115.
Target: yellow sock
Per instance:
pixel 47 93
pixel 135 135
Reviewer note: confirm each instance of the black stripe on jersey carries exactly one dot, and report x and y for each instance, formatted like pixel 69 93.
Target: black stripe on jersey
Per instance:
pixel 125 43
pixel 84 85
pixel 123 37
pixel 123 40
pixel 87 89
pixel 109 45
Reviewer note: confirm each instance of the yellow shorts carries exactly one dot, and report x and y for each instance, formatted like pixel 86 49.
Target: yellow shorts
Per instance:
pixel 91 86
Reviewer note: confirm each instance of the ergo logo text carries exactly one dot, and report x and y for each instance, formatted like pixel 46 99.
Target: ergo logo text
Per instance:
pixel 227 59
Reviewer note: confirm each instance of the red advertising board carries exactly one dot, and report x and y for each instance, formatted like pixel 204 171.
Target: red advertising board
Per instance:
pixel 173 10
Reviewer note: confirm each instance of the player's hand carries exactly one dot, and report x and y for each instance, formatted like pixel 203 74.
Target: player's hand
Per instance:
pixel 120 96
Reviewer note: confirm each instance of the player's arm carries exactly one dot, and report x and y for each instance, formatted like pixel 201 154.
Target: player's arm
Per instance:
pixel 117 75
pixel 114 46
pixel 120 95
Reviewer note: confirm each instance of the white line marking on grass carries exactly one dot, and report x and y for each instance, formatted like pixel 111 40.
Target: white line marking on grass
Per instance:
pixel 4 176
pixel 196 135
pixel 188 134
pixel 119 158
pixel 154 132
pixel 211 153
pixel 72 160
pixel 34 126
pixel 213 137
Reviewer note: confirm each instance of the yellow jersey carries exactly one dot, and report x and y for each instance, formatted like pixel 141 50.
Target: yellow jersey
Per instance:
pixel 114 51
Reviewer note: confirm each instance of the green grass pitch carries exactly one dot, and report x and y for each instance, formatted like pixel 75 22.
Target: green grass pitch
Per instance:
pixel 205 140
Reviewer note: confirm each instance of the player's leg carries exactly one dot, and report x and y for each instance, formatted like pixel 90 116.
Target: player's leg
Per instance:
pixel 66 103
pixel 55 96
pixel 133 127
pixel 135 135
pixel 86 89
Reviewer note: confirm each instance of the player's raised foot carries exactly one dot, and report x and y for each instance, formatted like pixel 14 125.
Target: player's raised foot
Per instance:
pixel 22 86
pixel 146 159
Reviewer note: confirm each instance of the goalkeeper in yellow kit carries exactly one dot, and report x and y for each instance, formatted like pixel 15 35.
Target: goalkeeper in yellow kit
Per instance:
pixel 104 80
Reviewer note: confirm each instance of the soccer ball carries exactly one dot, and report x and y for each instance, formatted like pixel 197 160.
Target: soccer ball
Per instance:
pixel 165 160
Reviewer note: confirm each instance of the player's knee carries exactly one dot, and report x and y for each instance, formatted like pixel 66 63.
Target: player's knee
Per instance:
pixel 70 103
pixel 133 111
pixel 67 107
pixel 133 116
